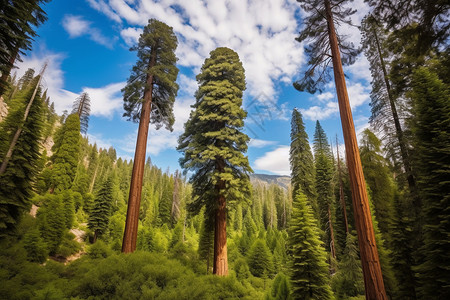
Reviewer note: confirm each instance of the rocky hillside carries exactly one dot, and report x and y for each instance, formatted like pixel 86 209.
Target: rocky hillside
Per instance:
pixel 265 179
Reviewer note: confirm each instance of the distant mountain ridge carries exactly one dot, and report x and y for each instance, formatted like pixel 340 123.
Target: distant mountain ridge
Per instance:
pixel 265 179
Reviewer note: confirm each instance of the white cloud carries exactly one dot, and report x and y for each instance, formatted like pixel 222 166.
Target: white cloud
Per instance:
pixel 325 96
pixel 256 143
pixel 358 94
pixel 262 33
pixel 314 113
pixel 276 161
pixel 76 26
pixel 104 100
pixel 131 35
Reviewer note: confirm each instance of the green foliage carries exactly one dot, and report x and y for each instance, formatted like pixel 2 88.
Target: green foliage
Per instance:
pixel 260 259
pixel 281 288
pixel 213 144
pixel 66 152
pixel 99 250
pixel 17 181
pixel 430 126
pixel 35 246
pixel 348 281
pixel 301 159
pixel 101 210
pixel 51 221
pixel 82 107
pixel 310 278
pixel 19 20
pixel 156 58
pixel 379 179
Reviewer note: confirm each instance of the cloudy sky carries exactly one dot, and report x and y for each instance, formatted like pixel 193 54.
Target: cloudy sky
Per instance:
pixel 86 44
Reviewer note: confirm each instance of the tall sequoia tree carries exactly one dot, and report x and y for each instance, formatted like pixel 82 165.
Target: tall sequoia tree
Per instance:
pixel 18 20
pixel 16 183
pixel 325 47
pixel 214 145
pixel 82 107
pixel 148 98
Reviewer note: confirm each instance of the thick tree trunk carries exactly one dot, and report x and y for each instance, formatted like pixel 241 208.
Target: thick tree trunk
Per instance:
pixel 137 175
pixel 341 189
pixel 398 127
pixel 373 278
pixel 16 136
pixel 220 266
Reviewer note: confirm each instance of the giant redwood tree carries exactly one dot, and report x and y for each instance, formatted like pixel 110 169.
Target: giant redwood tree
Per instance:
pixel 327 51
pixel 214 145
pixel 148 98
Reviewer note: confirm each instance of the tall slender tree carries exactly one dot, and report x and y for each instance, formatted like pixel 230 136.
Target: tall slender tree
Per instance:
pixel 82 107
pixel 323 182
pixel 325 48
pixel 148 98
pixel 302 162
pixel 101 210
pixel 16 183
pixel 214 145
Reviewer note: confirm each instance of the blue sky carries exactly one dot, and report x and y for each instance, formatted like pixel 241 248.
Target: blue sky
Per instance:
pixel 86 44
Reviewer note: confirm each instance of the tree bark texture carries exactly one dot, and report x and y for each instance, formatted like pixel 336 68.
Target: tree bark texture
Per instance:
pixel 220 266
pixel 137 175
pixel 373 279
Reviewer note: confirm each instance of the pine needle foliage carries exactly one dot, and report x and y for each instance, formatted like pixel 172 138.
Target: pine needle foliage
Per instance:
pixel 213 143
pixel 158 41
pixel 101 210
pixel 16 183
pixel 309 274
pixel 82 107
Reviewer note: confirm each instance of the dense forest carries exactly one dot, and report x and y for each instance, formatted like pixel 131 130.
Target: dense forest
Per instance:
pixel 79 222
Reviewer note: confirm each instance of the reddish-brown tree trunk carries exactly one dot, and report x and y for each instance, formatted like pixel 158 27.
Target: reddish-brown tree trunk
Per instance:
pixel 220 266
pixel 332 244
pixel 137 175
pixel 373 279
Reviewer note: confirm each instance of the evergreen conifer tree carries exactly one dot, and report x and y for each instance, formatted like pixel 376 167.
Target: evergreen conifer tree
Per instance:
pixel 214 145
pixel 260 259
pixel 101 210
pixel 310 277
pixel 301 159
pixel 16 183
pixel 35 246
pixel 82 107
pixel 66 153
pixel 323 182
pixel 431 132
pixel 148 98
pixel 51 221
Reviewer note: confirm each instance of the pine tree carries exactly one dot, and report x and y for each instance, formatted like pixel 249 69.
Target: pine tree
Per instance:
pixel 66 152
pixel 51 221
pixel 206 242
pixel 301 160
pixel 348 281
pixel 82 107
pixel 325 47
pixel 18 20
pixel 260 259
pixel 148 98
pixel 281 289
pixel 214 145
pixel 35 246
pixel 383 101
pixel 379 180
pixel 16 183
pixel 101 210
pixel 323 182
pixel 430 126
pixel 309 277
